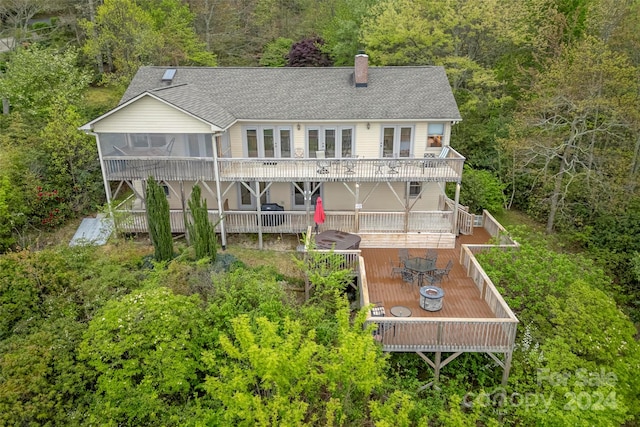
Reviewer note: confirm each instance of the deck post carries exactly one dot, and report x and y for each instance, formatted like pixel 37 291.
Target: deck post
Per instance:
pixel 454 225
pixel 436 369
pixel 507 367
pixel 216 171
pixel 259 212
pixel 358 207
pixel 185 220
pixel 105 181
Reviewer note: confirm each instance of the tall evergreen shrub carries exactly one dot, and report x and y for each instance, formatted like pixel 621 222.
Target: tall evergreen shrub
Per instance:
pixel 158 220
pixel 201 231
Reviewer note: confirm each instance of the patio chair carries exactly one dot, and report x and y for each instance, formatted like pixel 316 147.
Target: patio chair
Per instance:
pixel 431 254
pixel 408 275
pixel 440 273
pixel 403 254
pixel 432 279
pixel 396 270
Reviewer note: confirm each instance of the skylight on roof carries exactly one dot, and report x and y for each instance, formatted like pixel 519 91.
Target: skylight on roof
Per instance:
pixel 169 74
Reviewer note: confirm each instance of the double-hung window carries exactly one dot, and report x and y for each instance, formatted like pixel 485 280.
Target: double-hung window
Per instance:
pixel 415 188
pixel 268 141
pixel 397 141
pixel 335 141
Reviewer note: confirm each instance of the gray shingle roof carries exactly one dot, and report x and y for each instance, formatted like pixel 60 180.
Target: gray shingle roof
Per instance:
pixel 223 95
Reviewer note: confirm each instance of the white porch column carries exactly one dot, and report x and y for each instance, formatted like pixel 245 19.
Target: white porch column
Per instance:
pixel 358 208
pixel 454 224
pixel 223 233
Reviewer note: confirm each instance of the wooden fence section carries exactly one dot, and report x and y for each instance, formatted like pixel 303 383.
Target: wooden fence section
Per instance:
pixel 286 170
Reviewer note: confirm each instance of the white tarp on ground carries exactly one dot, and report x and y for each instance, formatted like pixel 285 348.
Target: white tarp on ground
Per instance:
pixel 93 231
pixel 7 44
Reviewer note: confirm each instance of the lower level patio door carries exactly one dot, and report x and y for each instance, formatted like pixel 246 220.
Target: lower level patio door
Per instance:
pixel 248 194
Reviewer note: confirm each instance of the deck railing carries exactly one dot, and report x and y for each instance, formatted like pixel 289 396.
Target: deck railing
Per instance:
pixel 135 221
pixel 451 334
pixel 447 169
pixel 442 334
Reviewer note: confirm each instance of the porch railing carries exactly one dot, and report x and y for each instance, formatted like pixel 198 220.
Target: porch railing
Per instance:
pixel 447 169
pixel 135 221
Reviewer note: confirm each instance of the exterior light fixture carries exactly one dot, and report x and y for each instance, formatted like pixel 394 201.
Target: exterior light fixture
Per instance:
pixel 298 126
pixel 368 125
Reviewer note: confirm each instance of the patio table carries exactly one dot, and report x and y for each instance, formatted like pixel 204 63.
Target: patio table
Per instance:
pixel 420 266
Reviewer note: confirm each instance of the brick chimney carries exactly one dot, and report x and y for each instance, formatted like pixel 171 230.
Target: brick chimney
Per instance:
pixel 362 69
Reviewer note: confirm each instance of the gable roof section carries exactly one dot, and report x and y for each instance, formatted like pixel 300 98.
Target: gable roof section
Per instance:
pixel 290 93
pixel 123 105
pixel 223 95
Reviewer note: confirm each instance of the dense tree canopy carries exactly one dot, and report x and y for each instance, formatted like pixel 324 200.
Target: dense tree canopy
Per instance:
pixel 548 92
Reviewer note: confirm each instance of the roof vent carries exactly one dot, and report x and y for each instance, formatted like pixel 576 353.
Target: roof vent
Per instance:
pixel 168 75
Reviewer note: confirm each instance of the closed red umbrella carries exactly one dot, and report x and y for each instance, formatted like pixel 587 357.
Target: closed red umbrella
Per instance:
pixel 319 216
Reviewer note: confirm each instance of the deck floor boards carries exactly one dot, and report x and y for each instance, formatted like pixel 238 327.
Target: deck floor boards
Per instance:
pixel 461 300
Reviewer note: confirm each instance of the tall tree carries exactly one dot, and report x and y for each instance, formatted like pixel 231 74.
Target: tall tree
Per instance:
pixel 36 77
pixel 123 35
pixel 159 220
pixel 574 130
pixel 201 232
pixel 71 161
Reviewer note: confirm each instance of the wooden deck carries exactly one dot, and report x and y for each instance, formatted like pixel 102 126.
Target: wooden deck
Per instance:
pixel 474 317
pixel 461 300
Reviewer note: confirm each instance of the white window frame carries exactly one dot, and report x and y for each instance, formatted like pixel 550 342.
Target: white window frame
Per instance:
pixel 322 141
pixel 319 191
pixel 413 186
pixel 253 205
pixel 434 139
pixel 260 140
pixel 397 142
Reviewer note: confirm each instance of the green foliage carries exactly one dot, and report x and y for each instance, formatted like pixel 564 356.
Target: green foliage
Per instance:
pixel 35 78
pixel 41 382
pixel 533 273
pixel 273 372
pixel 145 350
pixel 7 213
pixel 341 32
pixel 72 162
pixel 275 53
pixel 580 332
pixel 60 282
pixel 46 300
pixel 480 190
pixel 201 232
pixel 159 221
pixel 127 34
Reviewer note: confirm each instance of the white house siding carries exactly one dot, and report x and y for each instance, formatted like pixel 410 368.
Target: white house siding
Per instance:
pixel 335 195
pixel 148 115
pixel 236 140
